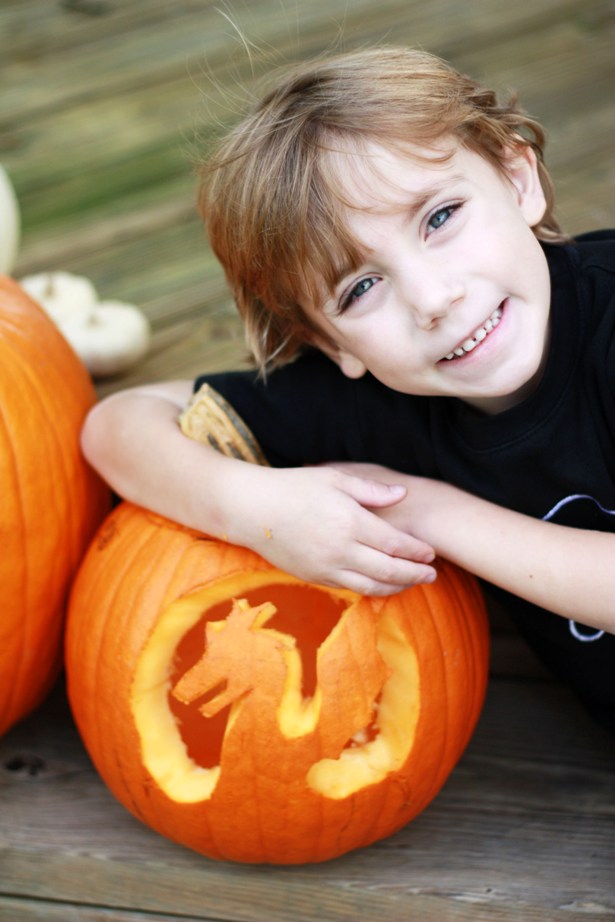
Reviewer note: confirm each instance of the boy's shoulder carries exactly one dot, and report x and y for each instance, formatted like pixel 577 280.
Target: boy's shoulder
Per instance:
pixel 583 277
pixel 595 249
pixel 586 266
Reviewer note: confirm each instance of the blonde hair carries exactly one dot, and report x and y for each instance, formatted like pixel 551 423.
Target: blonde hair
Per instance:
pixel 271 199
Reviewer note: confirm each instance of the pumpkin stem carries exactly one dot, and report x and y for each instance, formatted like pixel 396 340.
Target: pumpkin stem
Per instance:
pixel 209 418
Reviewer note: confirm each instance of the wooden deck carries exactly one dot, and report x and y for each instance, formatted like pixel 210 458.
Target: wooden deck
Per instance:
pixel 99 109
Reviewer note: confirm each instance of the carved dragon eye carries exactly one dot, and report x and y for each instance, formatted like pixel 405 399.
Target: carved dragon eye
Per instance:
pixel 253 717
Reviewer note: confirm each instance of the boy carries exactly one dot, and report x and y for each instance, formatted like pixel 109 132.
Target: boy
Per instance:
pixel 428 334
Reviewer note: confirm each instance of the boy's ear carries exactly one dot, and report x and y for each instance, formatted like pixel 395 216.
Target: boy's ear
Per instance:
pixel 522 170
pixel 349 364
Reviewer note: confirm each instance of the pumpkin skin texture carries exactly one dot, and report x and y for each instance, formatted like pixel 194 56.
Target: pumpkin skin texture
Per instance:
pixel 264 736
pixel 52 502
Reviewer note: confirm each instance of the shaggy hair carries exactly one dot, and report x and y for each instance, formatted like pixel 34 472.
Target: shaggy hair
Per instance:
pixel 271 197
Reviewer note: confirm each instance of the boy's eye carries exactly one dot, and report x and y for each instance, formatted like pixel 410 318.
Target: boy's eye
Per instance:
pixel 359 290
pixel 361 287
pixel 440 217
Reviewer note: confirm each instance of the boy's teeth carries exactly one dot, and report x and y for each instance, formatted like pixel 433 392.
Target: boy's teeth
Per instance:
pixel 478 335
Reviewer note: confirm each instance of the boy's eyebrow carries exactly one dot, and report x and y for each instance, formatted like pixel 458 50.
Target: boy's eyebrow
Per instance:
pixel 421 199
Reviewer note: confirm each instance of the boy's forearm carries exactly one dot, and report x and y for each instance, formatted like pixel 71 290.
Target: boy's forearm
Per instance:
pixel 141 452
pixel 565 570
pixel 312 522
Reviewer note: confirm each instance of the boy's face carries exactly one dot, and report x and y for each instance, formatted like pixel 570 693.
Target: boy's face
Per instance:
pixel 453 295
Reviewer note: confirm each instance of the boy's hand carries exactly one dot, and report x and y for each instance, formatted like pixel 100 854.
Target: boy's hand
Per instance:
pixel 318 523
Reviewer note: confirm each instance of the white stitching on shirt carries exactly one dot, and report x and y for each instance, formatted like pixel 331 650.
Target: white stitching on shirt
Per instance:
pixel 576 632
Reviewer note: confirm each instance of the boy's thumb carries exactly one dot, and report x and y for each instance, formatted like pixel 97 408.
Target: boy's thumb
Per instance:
pixel 375 493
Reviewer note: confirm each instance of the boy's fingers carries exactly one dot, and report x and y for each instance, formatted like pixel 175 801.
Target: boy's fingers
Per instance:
pixel 366 584
pixel 377 569
pixel 398 544
pixel 373 492
pixel 382 537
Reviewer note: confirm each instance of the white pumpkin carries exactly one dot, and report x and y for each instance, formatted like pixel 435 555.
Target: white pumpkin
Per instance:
pixel 113 338
pixel 108 336
pixel 64 296
pixel 10 224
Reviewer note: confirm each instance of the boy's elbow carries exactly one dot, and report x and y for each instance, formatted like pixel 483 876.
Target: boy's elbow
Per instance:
pixel 93 439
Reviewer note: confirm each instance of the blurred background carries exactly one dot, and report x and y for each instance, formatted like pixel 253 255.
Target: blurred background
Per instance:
pixel 105 104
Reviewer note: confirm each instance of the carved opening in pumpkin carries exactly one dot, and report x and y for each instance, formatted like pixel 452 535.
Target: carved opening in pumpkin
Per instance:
pixel 363 705
pixel 382 752
pixel 303 612
pixel 163 749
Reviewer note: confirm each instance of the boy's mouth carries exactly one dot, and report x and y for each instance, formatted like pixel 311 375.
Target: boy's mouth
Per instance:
pixel 478 336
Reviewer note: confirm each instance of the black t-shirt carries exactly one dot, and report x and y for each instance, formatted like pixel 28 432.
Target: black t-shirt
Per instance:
pixel 552 456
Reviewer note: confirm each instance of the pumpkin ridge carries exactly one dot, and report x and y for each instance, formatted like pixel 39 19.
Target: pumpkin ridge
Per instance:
pixel 17 642
pixel 17 367
pixel 74 408
pixel 472 648
pixel 148 563
pixel 458 706
pixel 423 613
pixel 55 498
pixel 470 698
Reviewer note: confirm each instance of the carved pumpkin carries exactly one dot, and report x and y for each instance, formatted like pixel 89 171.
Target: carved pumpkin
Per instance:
pixel 256 718
pixel 52 502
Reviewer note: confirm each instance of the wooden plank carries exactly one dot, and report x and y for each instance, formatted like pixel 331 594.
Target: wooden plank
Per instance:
pixel 35 28
pixel 252 895
pixel 556 71
pixel 27 910
pixel 143 51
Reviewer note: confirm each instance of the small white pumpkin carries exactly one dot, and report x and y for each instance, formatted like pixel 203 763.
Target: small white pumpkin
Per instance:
pixel 113 338
pixel 64 296
pixel 108 336
pixel 10 224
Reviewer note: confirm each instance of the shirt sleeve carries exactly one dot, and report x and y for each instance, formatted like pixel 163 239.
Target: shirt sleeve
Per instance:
pixel 302 413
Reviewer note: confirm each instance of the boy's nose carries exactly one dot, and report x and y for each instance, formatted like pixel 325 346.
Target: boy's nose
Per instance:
pixel 431 296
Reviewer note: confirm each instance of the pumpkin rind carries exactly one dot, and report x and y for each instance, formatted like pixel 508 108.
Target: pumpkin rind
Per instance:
pixel 52 500
pixel 146 581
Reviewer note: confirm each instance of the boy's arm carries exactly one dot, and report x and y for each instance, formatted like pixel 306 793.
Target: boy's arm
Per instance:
pixel 565 570
pixel 316 523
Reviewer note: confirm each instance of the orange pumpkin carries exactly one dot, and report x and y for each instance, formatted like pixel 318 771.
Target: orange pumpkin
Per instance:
pixel 51 500
pixel 253 717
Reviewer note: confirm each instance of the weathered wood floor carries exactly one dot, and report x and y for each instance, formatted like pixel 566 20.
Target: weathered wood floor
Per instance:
pixel 100 105
pixel 523 830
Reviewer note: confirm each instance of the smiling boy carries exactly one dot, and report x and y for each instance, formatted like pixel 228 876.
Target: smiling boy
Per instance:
pixel 428 332
pixel 442 245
